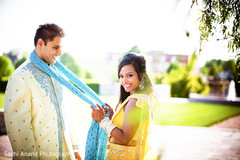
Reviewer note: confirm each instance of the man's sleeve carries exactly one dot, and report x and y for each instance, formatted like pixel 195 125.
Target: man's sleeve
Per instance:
pixel 18 118
pixel 70 117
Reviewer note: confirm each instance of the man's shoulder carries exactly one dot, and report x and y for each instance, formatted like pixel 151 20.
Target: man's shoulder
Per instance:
pixel 23 68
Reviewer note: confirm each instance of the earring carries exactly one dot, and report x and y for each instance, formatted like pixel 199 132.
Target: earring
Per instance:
pixel 141 85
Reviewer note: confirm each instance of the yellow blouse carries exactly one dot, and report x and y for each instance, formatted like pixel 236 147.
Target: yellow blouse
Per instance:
pixel 147 103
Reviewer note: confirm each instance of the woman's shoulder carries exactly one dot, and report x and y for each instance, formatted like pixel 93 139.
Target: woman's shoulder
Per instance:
pixel 141 96
pixel 142 100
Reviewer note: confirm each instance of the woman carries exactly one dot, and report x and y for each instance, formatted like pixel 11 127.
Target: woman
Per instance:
pixel 130 126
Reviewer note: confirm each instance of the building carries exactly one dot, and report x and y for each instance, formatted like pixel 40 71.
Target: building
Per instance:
pixel 160 61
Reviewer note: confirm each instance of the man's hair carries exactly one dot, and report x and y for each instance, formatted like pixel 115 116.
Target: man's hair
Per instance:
pixel 48 32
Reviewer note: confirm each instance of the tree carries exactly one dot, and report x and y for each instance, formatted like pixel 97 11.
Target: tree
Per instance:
pixel 173 66
pixel 213 67
pixel 18 62
pixel 13 55
pixel 182 81
pixel 213 70
pixel 182 87
pixel 88 75
pixel 135 49
pixel 70 63
pixel 6 67
pixel 222 16
pixel 229 67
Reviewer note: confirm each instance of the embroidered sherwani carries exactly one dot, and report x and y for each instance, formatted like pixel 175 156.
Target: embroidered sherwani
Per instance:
pixel 35 117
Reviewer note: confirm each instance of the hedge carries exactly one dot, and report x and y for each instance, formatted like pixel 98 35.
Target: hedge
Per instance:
pixel 3 85
pixel 94 87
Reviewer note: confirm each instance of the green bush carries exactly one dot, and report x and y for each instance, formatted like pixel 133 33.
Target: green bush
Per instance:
pixel 3 85
pixel 173 66
pixel 20 61
pixel 94 87
pixel 6 70
pixel 69 61
pixel 161 79
pixel 198 86
pixel 181 80
pixel 2 94
pixel 181 88
pixel 6 67
pixel 187 84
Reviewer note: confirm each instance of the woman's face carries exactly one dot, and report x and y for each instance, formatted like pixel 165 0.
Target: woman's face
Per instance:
pixel 129 78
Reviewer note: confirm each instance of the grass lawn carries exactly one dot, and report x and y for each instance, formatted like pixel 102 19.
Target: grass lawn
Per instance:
pixel 1 100
pixel 194 114
pixel 188 114
pixel 184 114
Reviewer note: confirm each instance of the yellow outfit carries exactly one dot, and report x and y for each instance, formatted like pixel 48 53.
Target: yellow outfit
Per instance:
pixel 35 116
pixel 141 151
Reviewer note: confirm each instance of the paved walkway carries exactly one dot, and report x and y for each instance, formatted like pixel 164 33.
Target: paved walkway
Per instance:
pixel 5 148
pixel 233 123
pixel 198 143
pixel 219 142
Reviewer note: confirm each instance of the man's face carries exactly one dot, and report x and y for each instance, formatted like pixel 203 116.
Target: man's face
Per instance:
pixel 50 51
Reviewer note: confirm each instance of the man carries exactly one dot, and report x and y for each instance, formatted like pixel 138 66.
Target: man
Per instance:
pixel 34 105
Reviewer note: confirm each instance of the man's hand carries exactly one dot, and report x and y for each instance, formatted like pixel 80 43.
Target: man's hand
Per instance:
pixel 77 156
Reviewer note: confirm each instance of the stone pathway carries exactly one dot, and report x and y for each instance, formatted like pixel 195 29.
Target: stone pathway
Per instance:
pixel 219 142
pixel 233 123
pixel 197 143
pixel 5 148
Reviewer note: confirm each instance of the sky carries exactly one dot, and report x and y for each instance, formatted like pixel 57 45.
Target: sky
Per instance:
pixel 96 27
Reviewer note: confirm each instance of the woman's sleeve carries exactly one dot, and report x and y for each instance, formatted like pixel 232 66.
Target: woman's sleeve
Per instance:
pixel 141 100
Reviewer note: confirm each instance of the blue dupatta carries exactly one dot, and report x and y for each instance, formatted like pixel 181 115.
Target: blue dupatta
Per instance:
pixel 97 137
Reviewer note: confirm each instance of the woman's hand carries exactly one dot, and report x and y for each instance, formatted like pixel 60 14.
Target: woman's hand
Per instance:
pixel 77 156
pixel 110 111
pixel 98 114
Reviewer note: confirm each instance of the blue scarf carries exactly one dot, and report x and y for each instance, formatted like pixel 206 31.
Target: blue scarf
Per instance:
pixel 97 137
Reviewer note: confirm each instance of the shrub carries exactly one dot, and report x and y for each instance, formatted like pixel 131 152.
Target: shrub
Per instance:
pixel 3 85
pixel 94 87
pixel 20 61
pixel 6 67
pixel 198 86
pixel 181 88
pixel 161 79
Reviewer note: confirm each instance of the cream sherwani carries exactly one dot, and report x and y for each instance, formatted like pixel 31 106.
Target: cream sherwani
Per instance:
pixel 35 117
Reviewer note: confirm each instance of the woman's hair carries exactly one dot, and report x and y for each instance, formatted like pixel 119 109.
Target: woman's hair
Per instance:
pixel 139 64
pixel 48 32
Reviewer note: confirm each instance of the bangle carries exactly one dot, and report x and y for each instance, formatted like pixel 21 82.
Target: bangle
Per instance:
pixel 107 125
